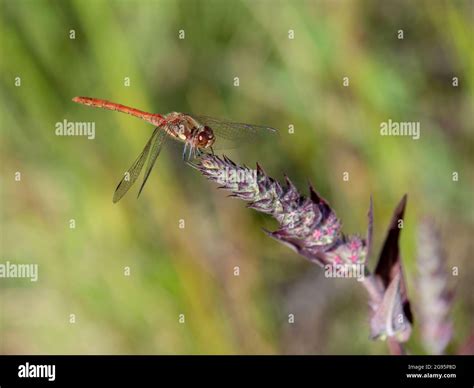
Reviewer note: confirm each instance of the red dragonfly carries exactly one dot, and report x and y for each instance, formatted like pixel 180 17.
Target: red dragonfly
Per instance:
pixel 198 133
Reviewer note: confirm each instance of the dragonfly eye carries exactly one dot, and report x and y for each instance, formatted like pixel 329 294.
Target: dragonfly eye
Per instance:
pixel 208 133
pixel 205 137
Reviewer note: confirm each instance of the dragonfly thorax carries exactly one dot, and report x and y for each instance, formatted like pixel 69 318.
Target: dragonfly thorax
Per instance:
pixel 187 129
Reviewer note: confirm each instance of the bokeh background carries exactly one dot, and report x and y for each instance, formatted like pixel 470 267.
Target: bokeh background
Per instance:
pixel 283 82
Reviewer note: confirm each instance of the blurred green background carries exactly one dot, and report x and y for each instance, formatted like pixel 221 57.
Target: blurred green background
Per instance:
pixel 283 82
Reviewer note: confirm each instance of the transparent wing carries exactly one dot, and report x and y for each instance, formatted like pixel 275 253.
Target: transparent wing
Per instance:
pixel 155 151
pixel 230 134
pixel 133 172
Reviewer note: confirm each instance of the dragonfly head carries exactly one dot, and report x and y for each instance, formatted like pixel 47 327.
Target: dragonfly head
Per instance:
pixel 205 137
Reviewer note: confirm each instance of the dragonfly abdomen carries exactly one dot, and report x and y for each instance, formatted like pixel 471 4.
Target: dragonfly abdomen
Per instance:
pixel 155 119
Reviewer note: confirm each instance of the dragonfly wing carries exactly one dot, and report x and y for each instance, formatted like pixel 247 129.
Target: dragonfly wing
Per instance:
pixel 230 134
pixel 160 139
pixel 134 171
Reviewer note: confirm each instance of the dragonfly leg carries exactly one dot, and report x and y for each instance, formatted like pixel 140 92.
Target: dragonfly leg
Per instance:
pixel 184 150
pixel 190 151
pixel 212 150
pixel 197 152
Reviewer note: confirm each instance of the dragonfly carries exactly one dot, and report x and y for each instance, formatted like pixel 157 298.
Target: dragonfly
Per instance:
pixel 200 134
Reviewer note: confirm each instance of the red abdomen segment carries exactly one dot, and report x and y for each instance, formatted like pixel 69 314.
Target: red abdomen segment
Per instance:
pixel 155 119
